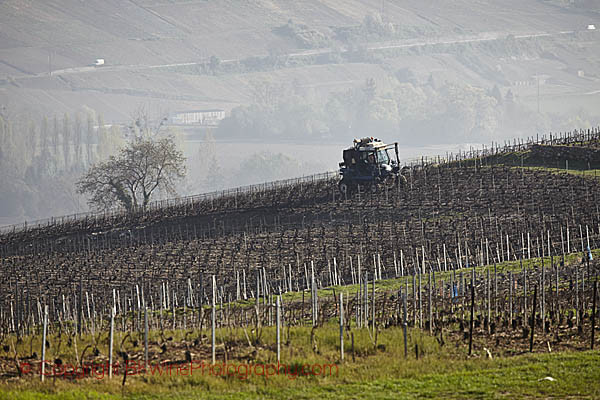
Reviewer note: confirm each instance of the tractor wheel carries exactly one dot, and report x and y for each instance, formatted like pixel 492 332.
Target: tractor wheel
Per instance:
pixel 345 188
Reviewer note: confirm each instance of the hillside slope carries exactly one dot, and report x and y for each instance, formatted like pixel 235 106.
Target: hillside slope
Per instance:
pixel 154 32
pixel 65 37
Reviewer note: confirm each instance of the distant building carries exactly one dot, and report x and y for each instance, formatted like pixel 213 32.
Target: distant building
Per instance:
pixel 533 80
pixel 198 117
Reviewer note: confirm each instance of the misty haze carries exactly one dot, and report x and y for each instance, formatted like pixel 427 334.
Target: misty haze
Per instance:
pixel 299 199
pixel 255 92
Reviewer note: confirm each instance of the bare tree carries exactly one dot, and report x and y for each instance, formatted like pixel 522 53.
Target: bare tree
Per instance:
pixel 132 176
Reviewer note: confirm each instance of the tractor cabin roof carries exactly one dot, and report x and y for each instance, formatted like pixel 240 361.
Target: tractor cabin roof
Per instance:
pixel 368 144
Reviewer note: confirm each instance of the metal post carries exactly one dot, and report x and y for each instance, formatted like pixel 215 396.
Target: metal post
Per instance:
pixel 145 338
pixel 278 329
pixel 430 306
pixel 373 306
pixel 214 317
pixel 110 342
pixel 405 325
pixel 594 313
pixel 471 320
pixel 341 327
pixel 312 297
pixel 533 318
pixel 80 306
pixel 44 342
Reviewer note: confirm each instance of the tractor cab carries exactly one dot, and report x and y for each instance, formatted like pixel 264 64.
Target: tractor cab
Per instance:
pixel 369 163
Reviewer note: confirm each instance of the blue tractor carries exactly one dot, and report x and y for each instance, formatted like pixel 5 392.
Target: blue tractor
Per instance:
pixel 370 165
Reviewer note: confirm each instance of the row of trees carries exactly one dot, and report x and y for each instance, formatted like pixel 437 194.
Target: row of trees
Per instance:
pixel 56 145
pixel 40 159
pixel 395 107
pixel 373 27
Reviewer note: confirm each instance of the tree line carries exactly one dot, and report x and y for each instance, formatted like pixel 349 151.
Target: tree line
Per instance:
pixel 400 107
pixel 41 158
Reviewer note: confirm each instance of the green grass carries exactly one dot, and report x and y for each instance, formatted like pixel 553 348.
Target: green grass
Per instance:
pixel 576 375
pixel 397 283
pixel 587 173
pixel 525 159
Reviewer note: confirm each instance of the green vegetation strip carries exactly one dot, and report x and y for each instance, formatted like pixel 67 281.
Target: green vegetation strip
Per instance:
pixel 397 283
pixel 548 375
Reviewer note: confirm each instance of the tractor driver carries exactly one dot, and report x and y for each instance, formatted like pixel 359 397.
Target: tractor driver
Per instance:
pixel 368 163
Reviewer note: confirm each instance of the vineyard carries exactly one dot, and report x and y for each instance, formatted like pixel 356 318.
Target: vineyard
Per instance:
pixel 497 259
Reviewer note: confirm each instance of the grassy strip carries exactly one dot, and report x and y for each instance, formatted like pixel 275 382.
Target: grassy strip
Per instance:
pixel 397 283
pixel 525 159
pixel 586 173
pixel 574 374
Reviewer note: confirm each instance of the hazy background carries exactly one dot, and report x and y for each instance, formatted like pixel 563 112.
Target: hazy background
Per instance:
pixel 297 80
